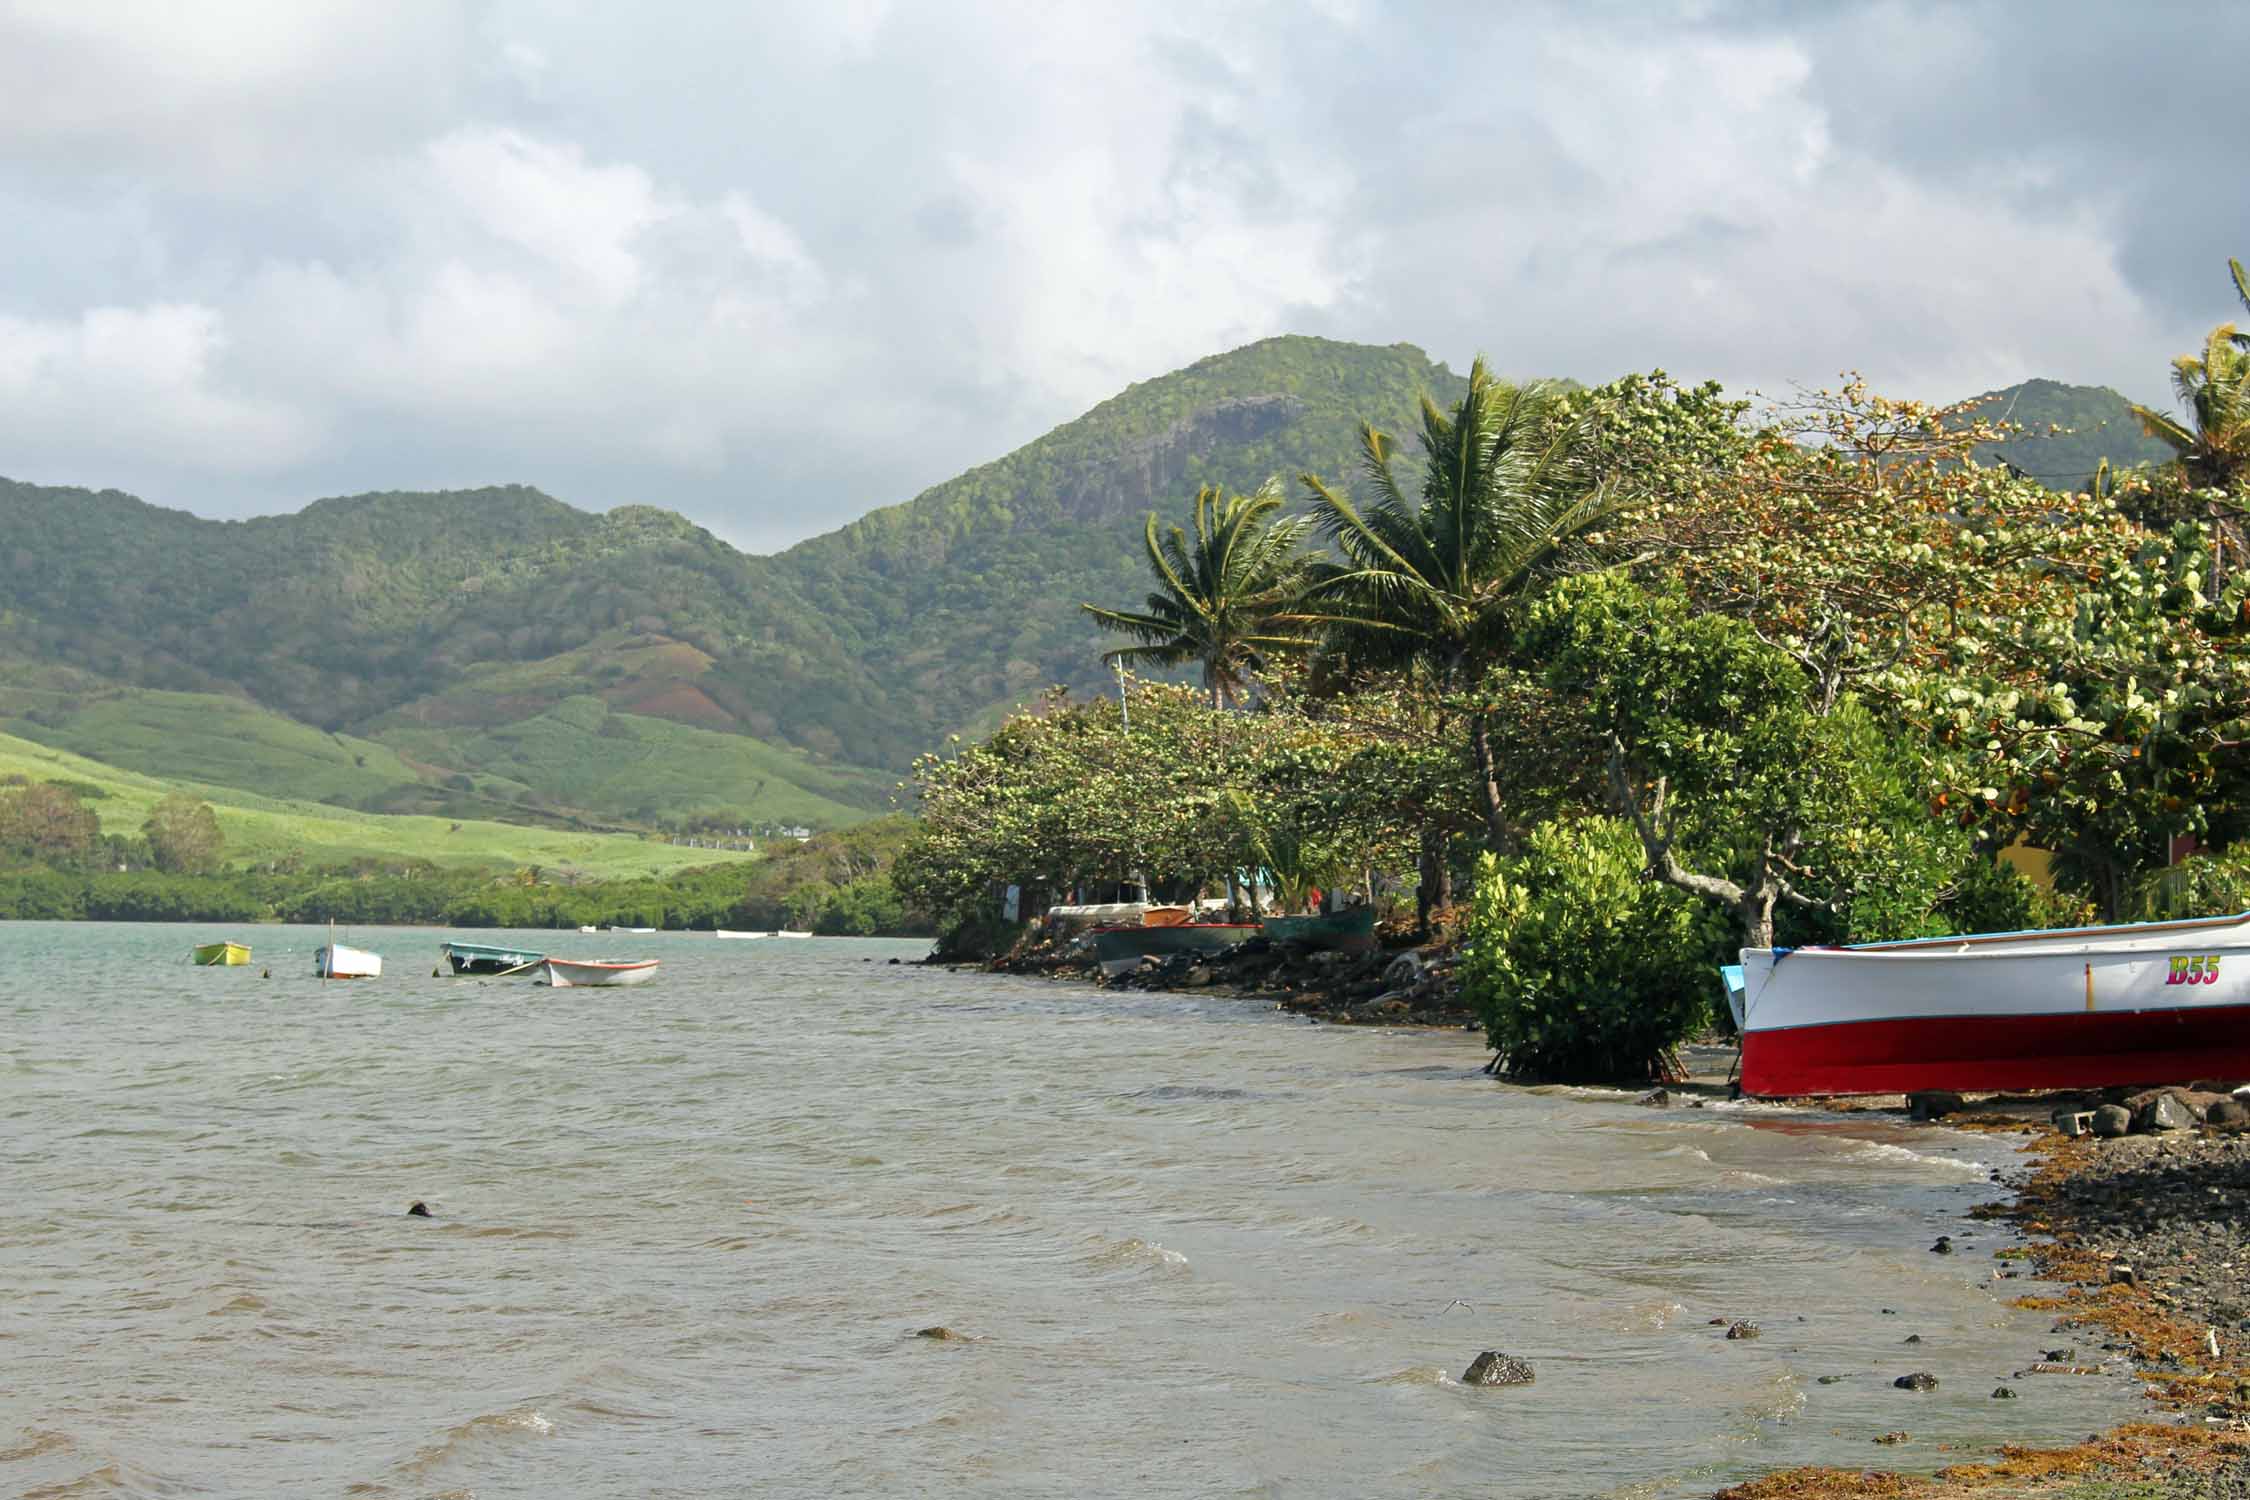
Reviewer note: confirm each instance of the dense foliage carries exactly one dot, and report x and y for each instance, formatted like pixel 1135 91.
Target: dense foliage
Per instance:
pixel 1580 968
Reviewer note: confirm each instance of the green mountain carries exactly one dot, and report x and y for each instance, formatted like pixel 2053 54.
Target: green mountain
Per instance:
pixel 497 653
pixel 2067 431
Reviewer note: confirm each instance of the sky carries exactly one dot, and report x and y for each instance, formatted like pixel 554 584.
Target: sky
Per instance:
pixel 773 266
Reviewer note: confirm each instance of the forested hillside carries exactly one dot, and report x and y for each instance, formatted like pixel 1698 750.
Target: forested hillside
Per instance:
pixel 499 653
pixel 2067 431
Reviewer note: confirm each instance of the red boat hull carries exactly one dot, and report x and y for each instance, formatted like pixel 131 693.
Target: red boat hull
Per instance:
pixel 2090 1049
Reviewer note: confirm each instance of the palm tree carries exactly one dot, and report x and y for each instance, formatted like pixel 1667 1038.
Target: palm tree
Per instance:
pixel 1222 600
pixel 1431 583
pixel 2214 443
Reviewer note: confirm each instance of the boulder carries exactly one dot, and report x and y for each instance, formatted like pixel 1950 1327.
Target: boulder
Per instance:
pixel 1195 977
pixel 1920 1380
pixel 2227 1114
pixel 2122 1274
pixel 1494 1368
pixel 1944 1245
pixel 2163 1113
pixel 1404 970
pixel 1389 1006
pixel 2112 1121
pixel 1933 1104
pixel 2002 1393
pixel 1655 1099
pixel 941 1334
pixel 1743 1329
pixel 1894 1437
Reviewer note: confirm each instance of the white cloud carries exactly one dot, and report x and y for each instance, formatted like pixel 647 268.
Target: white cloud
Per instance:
pixel 776 265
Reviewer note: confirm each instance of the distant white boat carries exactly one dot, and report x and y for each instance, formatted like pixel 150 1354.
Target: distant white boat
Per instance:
pixel 564 973
pixel 632 929
pixel 789 934
pixel 589 929
pixel 336 961
pixel 726 932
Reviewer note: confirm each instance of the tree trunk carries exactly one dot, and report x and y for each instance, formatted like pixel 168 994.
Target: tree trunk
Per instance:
pixel 1488 785
pixel 1429 870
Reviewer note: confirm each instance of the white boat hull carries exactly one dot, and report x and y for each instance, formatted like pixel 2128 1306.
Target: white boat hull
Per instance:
pixel 2159 1002
pixel 565 973
pixel 337 961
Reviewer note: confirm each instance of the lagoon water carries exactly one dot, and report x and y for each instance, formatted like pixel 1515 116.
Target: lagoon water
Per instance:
pixel 684 1234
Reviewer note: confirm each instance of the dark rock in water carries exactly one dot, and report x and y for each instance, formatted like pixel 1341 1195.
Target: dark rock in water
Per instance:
pixel 1655 1098
pixel 1894 1437
pixel 1944 1245
pixel 1494 1368
pixel 1830 1379
pixel 1920 1380
pixel 2112 1121
pixel 1742 1330
pixel 2002 1393
pixel 420 1210
pixel 2060 1356
pixel 1718 1322
pixel 1888 1312
pixel 941 1334
pixel 1933 1104
pixel 1914 1338
pixel 896 961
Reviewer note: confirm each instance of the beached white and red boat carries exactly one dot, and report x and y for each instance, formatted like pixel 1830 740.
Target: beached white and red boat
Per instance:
pixel 2083 1007
pixel 566 973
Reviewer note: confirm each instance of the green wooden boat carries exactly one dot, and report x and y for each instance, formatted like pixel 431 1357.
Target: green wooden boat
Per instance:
pixel 1121 949
pixel 222 954
pixel 482 958
pixel 1352 931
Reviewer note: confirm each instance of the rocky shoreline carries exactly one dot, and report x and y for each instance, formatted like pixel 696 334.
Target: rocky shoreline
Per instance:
pixel 1393 987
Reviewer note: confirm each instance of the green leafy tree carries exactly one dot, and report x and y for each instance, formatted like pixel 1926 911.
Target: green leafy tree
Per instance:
pixel 45 823
pixel 183 835
pixel 1580 967
pixel 1747 786
pixel 1222 599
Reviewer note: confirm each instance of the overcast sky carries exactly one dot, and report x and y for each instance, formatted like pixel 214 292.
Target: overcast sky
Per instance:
pixel 774 266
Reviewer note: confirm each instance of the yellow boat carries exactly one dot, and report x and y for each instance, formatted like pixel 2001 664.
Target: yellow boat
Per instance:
pixel 222 953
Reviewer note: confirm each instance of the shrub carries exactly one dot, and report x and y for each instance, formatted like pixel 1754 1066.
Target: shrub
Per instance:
pixel 1581 969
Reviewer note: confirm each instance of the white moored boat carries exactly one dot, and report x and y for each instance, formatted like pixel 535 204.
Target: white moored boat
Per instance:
pixel 564 973
pixel 2083 1007
pixel 337 961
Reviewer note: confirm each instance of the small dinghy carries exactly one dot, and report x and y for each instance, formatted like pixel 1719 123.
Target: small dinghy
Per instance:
pixel 336 961
pixel 483 958
pixel 567 973
pixel 222 954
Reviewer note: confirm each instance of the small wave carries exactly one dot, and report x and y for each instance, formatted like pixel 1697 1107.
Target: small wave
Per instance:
pixel 1737 1177
pixel 1696 1153
pixel 1190 1091
pixel 1884 1151
pixel 1134 1254
pixel 499 1426
pixel 37 1442
pixel 1429 1376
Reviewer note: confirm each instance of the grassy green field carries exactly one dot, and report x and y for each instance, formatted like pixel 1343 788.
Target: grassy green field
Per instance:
pixel 261 829
pixel 220 741
pixel 583 753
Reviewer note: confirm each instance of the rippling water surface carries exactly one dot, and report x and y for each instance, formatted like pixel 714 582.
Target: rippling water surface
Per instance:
pixel 684 1234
